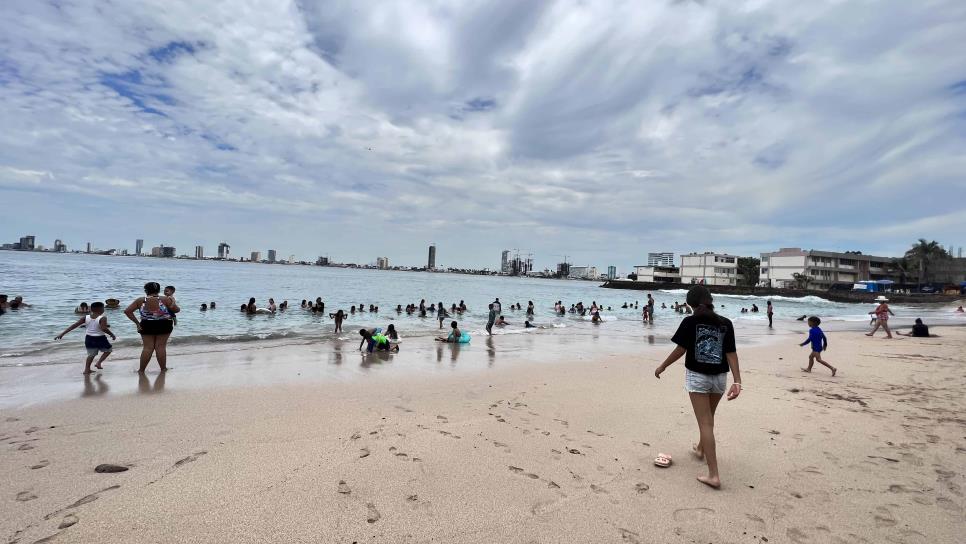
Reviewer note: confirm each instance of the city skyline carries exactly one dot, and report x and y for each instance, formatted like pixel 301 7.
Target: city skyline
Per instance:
pixel 731 127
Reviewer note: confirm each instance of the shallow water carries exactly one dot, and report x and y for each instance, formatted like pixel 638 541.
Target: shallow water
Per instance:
pixel 55 283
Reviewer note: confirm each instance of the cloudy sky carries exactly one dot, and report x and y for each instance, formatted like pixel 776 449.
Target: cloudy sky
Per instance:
pixel 597 130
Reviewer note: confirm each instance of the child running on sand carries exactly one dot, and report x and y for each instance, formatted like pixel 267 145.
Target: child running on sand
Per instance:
pixel 819 344
pixel 95 341
pixel 707 341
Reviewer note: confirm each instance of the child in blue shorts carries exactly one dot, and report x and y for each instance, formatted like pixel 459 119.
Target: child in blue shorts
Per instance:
pixel 819 344
pixel 96 339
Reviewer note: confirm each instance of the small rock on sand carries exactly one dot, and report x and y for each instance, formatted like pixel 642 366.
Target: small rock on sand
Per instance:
pixel 344 488
pixel 373 513
pixel 108 468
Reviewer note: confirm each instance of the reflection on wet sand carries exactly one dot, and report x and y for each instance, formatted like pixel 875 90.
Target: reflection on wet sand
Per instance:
pixel 94 385
pixel 490 350
pixel 454 351
pixel 146 387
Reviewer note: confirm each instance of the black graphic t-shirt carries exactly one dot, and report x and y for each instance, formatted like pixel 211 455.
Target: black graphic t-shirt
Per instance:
pixel 707 338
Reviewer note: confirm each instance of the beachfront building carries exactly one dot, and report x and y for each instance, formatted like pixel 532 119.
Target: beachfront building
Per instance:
pixel 583 273
pixel 823 268
pixel 658 274
pixel 382 263
pixel 709 268
pixel 223 250
pixel 199 252
pixel 665 259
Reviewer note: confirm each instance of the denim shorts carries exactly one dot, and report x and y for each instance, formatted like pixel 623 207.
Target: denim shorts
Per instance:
pixel 696 382
pixel 96 344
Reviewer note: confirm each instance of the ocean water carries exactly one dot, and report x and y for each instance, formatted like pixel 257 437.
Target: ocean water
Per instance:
pixel 54 284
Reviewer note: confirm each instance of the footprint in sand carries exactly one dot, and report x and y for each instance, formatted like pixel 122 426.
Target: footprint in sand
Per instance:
pixel 25 496
pixel 597 489
pixel 518 470
pixel 444 419
pixel 363 453
pixel 190 459
pixel 883 517
pixel 343 488
pixel 373 515
pixel 641 487
pixel 69 520
pixel 629 536
pixel 82 501
pixel 41 464
pixel 32 430
pixel 25 447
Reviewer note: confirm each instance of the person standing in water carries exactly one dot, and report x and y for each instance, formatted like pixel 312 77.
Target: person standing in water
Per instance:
pixel 770 310
pixel 707 341
pixel 155 325
pixel 491 319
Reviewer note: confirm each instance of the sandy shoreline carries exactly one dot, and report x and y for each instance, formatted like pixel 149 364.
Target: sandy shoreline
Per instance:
pixel 555 452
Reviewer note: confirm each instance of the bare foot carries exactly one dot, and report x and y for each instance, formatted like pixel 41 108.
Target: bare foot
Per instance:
pixel 806 370
pixel 697 453
pixel 98 366
pixel 88 371
pixel 868 334
pixel 710 482
pixel 834 370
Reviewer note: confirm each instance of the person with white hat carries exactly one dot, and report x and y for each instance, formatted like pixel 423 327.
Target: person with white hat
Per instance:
pixel 882 313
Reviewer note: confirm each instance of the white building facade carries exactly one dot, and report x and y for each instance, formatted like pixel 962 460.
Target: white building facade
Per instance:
pixel 661 259
pixel 709 268
pixel 823 268
pixel 658 274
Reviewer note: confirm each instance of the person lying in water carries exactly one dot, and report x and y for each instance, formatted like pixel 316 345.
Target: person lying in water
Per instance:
pixel 454 336
pixel 376 341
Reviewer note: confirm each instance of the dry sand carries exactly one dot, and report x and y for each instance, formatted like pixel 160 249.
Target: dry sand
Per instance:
pixel 525 453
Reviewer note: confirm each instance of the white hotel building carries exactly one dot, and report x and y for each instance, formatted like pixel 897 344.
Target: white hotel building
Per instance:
pixel 824 268
pixel 709 268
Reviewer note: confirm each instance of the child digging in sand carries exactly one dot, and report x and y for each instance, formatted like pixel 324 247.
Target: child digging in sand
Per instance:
pixel 707 341
pixel 95 341
pixel 819 344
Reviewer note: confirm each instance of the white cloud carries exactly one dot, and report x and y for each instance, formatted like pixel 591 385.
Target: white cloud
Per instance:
pixel 611 128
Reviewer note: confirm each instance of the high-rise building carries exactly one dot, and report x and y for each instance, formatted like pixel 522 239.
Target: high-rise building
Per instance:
pixel 156 251
pixel 612 272
pixel 27 243
pixel 59 246
pixel 505 262
pixel 256 256
pixel 382 263
pixel 167 251
pixel 431 265
pixel 271 255
pixel 660 259
pixel 223 250
pixel 139 247
pixel 322 261
pixel 88 247
pixel 199 252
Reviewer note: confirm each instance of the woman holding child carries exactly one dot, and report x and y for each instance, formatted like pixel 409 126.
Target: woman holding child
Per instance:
pixel 157 321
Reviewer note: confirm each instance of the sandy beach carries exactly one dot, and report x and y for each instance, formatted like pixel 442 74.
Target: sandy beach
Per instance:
pixel 557 452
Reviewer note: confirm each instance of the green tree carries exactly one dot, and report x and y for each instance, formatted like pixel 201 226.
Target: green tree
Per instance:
pixel 750 269
pixel 922 255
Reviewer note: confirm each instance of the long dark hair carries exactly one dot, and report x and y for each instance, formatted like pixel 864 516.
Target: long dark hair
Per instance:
pixel 699 298
pixel 152 288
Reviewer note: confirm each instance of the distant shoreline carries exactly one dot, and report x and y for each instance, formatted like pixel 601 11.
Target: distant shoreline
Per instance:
pixel 834 296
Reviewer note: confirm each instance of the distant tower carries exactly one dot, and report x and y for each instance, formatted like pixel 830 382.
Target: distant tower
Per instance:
pixel 256 256
pixel 271 255
pixel 505 261
pixel 431 265
pixel 612 272
pixel 139 247
pixel 199 252
pixel 88 247
pixel 59 246
pixel 223 250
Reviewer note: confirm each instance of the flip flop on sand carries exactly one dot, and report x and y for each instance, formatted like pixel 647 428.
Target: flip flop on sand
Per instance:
pixel 662 460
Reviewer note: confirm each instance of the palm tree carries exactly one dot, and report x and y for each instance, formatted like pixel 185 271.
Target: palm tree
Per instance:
pixel 802 279
pixel 924 253
pixel 902 265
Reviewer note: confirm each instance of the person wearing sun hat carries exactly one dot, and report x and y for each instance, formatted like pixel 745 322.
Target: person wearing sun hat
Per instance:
pixel 707 342
pixel 882 313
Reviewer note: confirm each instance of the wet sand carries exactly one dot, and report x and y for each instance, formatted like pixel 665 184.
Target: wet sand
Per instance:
pixel 508 451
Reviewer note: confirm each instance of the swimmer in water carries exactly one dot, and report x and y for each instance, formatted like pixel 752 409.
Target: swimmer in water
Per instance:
pixel 82 309
pixel 455 335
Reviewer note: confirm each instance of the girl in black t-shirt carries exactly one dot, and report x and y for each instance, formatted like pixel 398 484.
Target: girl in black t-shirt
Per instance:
pixel 707 341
